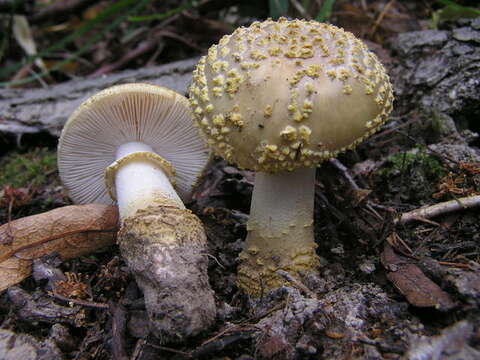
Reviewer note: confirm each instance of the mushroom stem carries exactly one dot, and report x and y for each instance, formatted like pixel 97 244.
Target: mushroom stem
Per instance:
pixel 163 243
pixel 280 231
pixel 141 180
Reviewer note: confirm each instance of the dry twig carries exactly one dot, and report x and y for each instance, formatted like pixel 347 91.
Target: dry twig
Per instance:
pixel 80 302
pixel 380 17
pixel 442 208
pixel 296 283
pixel 345 172
pixel 119 322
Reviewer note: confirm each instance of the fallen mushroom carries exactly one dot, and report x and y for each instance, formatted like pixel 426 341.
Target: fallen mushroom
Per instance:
pixel 132 143
pixel 280 97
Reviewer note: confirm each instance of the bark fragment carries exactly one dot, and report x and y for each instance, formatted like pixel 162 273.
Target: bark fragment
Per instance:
pixel 36 110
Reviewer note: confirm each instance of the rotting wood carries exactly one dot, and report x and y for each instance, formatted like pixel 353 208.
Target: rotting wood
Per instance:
pixel 43 308
pixel 70 231
pixel 38 110
pixel 119 322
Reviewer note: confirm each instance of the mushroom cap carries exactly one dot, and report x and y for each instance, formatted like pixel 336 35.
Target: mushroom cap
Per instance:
pixel 153 115
pixel 281 95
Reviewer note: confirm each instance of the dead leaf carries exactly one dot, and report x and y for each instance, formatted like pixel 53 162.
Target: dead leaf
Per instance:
pixel 412 283
pixel 70 231
pixel 23 35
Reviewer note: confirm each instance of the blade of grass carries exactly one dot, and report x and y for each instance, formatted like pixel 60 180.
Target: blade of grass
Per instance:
pixel 7 26
pixel 456 6
pixel 306 4
pixel 325 11
pixel 86 47
pixel 452 11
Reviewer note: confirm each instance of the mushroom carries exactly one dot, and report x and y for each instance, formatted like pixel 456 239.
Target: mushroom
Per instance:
pixel 132 144
pixel 280 97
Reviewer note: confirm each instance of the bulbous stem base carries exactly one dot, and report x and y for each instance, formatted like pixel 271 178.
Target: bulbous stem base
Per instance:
pixel 280 231
pixel 165 248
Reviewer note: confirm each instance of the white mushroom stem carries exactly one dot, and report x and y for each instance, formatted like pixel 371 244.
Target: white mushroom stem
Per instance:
pixel 163 243
pixel 140 181
pixel 282 202
pixel 280 229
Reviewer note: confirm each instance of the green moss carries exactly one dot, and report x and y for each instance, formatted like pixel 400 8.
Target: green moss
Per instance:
pixel 418 159
pixel 410 176
pixel 441 124
pixel 27 169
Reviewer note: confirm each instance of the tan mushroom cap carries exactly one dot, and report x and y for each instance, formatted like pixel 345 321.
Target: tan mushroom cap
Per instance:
pixel 281 95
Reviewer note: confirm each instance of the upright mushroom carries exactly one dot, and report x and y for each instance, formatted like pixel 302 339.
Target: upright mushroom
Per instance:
pixel 280 97
pixel 132 143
